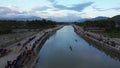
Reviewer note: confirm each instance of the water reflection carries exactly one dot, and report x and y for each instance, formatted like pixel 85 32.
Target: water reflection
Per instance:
pixel 66 49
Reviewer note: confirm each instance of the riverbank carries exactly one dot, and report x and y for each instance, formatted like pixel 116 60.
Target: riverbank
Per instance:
pixel 17 50
pixel 47 34
pixel 109 43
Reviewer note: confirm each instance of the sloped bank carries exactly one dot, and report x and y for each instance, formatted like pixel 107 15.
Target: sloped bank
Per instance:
pixel 103 42
pixel 31 63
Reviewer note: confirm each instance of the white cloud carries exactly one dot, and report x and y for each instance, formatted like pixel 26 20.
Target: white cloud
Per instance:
pixel 39 8
pixel 9 12
pixel 20 0
pixel 51 14
pixel 62 15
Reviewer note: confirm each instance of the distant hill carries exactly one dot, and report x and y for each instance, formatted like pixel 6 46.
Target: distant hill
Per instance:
pixel 21 18
pixel 100 18
pixel 116 18
pixel 83 19
pixel 93 19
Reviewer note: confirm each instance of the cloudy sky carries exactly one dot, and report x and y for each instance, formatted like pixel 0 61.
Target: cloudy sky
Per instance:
pixel 59 10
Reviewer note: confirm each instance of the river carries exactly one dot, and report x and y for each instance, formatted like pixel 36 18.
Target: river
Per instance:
pixel 66 49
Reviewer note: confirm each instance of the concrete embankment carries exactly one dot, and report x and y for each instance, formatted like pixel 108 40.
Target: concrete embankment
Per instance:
pixel 44 37
pixel 105 42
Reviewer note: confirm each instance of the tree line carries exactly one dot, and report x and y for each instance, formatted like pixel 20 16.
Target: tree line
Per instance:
pixel 107 24
pixel 6 26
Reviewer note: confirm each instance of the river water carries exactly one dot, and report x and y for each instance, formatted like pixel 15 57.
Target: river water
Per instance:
pixel 66 49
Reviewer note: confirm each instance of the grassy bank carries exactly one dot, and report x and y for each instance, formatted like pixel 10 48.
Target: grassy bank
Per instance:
pixel 115 33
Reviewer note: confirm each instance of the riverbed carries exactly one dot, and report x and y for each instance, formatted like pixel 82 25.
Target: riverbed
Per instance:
pixel 66 49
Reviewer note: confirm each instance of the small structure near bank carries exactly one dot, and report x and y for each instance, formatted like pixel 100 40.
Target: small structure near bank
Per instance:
pixel 94 28
pixel 117 24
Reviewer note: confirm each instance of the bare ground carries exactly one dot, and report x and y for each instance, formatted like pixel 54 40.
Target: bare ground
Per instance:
pixel 8 39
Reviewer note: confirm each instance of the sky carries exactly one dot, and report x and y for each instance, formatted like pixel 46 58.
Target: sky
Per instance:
pixel 59 10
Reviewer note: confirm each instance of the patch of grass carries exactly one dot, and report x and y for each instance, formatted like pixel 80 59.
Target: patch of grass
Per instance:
pixel 112 33
pixel 5 31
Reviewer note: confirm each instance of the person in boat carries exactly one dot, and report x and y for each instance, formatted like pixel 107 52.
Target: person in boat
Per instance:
pixel 76 40
pixel 70 47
